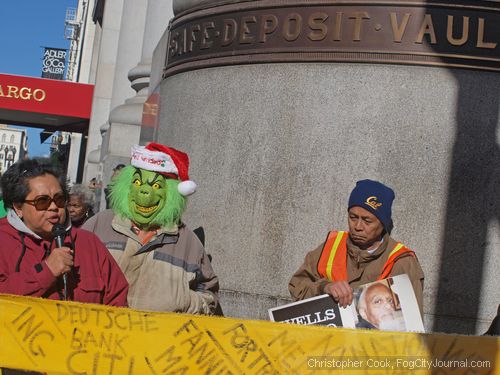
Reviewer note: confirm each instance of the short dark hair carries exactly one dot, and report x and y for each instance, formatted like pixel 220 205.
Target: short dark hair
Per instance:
pixel 15 181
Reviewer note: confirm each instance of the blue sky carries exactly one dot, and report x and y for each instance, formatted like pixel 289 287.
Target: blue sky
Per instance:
pixel 25 27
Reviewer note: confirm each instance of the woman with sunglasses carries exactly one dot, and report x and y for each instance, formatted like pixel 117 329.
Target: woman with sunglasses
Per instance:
pixel 31 262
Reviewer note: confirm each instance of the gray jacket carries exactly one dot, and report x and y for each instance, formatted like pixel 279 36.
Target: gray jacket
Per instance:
pixel 171 272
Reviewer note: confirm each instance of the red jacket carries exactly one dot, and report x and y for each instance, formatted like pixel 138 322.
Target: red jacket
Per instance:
pixel 95 277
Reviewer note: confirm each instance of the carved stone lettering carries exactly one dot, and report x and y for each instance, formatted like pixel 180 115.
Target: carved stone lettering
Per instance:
pixel 464 35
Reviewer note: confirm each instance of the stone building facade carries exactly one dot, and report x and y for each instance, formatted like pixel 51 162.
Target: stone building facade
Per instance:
pixel 283 106
pixel 13 146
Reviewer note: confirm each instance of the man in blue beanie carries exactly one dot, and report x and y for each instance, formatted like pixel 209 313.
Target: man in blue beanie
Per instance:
pixel 364 254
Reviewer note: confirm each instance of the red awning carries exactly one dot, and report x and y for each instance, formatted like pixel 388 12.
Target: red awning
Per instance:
pixel 45 103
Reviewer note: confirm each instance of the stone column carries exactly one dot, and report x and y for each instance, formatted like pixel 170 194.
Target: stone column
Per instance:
pixel 283 108
pixel 125 119
pixel 105 75
pixel 130 45
pixel 183 5
pixel 130 33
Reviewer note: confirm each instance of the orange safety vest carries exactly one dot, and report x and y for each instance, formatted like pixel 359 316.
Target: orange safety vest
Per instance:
pixel 333 260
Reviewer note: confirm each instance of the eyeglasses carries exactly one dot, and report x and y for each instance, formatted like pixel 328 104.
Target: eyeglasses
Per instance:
pixel 43 202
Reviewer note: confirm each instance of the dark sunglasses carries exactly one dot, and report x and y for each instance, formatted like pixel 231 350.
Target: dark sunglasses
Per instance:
pixel 43 202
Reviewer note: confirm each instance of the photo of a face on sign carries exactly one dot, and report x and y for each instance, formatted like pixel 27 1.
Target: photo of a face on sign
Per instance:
pixel 379 307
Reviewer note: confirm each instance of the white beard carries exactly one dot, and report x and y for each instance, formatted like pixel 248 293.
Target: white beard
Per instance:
pixel 392 325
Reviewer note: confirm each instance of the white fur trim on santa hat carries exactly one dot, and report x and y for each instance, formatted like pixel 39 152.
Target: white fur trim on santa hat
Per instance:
pixel 187 187
pixel 152 160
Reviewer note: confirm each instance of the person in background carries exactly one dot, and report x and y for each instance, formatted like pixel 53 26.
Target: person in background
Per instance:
pixel 107 191
pixel 3 211
pixel 96 187
pixel 93 184
pixel 494 329
pixel 31 262
pixel 365 254
pixel 116 170
pixel 80 205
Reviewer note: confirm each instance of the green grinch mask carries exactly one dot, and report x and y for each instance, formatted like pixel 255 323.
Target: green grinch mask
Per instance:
pixel 147 198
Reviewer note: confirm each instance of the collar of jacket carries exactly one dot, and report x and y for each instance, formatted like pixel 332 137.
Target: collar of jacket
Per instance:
pixel 15 221
pixel 363 256
pixel 123 225
pixel 160 240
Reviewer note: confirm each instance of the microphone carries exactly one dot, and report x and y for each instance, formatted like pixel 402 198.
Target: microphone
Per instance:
pixel 59 233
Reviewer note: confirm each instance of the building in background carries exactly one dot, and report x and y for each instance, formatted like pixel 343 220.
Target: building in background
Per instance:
pixel 59 107
pixel 13 146
pixel 59 151
pixel 74 31
pixel 112 44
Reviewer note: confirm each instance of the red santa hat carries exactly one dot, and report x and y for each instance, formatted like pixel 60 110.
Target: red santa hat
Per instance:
pixel 167 161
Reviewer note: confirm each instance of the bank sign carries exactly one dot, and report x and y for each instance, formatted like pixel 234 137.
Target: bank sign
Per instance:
pixel 54 63
pixel 23 98
pixel 463 34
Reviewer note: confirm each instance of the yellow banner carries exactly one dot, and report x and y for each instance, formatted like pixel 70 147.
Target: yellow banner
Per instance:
pixel 74 338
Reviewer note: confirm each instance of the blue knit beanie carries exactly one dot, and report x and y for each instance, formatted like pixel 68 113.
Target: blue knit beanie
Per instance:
pixel 376 198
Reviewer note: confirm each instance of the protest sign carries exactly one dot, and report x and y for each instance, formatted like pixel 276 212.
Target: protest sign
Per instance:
pixel 389 305
pixel 58 337
pixel 320 310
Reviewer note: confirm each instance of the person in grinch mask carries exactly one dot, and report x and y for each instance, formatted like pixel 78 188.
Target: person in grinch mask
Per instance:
pixel 164 261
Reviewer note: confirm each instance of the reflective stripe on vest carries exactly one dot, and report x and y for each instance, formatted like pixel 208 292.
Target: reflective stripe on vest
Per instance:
pixel 332 263
pixel 333 260
pixel 398 250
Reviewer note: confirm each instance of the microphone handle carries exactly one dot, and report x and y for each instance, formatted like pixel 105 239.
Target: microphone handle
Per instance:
pixel 65 285
pixel 59 243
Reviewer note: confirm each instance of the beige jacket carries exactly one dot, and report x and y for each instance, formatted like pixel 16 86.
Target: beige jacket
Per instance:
pixel 362 268
pixel 171 272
